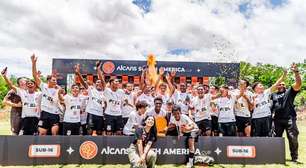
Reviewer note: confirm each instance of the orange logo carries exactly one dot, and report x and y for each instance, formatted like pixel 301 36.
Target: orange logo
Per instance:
pixel 88 150
pixel 108 67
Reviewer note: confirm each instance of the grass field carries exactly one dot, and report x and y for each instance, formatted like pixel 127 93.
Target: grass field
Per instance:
pixel 5 130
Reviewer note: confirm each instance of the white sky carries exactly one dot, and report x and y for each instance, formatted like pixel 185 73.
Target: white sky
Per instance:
pixel 211 30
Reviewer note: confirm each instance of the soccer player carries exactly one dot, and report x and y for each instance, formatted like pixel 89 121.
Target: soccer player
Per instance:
pixel 201 111
pixel 226 118
pixel 96 101
pixel 157 110
pixel 214 90
pixel 140 153
pixel 285 114
pixel 113 112
pixel 30 99
pixel 135 119
pixel 49 118
pixel 243 108
pixel 85 98
pixel 161 86
pixel 160 116
pixel 145 90
pixel 261 116
pixel 184 127
pixel 128 102
pixel 72 114
pixel 182 98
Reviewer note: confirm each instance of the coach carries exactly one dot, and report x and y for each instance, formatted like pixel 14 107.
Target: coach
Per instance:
pixel 285 114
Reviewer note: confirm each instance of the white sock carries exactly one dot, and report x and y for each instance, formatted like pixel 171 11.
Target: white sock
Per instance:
pixel 191 161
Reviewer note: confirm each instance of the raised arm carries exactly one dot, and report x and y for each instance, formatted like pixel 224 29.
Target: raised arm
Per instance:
pixel 7 80
pixel 34 70
pixel 170 81
pixel 273 87
pixel 60 94
pixel 142 79
pixel 298 81
pixel 100 73
pixel 160 76
pixel 78 74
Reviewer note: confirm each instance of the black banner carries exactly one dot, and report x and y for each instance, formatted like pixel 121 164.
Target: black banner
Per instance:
pixel 36 150
pixel 132 68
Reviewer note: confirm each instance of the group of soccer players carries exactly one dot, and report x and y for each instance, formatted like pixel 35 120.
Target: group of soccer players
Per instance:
pixel 113 108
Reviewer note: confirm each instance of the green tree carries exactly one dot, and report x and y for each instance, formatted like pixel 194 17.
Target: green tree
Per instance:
pixel 267 74
pixel 3 90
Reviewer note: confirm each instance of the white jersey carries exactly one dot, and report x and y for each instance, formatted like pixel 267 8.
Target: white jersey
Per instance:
pixel 201 108
pixel 213 113
pixel 61 111
pixel 128 105
pixel 114 101
pixel 241 105
pixel 165 98
pixel 84 99
pixel 30 103
pixel 73 109
pixel 226 109
pixel 147 98
pixel 184 120
pixel 49 100
pixel 262 105
pixel 152 112
pixel 95 103
pixel 180 98
pixel 134 120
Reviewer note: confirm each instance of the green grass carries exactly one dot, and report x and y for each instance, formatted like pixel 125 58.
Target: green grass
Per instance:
pixel 5 130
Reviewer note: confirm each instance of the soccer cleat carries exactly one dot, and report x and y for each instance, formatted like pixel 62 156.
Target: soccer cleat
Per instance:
pixel 189 165
pixel 204 159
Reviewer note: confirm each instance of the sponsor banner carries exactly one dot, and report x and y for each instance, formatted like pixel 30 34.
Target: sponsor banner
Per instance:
pixel 35 150
pixel 132 68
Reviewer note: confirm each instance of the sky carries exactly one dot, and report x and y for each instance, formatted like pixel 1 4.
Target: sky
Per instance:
pixel 256 31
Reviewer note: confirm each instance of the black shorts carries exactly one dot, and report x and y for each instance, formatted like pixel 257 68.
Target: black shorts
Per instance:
pixel 71 128
pixel 48 120
pixel 113 123
pixel 242 123
pixel 29 126
pixel 261 127
pixel 214 124
pixel 60 129
pixel 95 123
pixel 204 125
pixel 228 129
pixel 192 135
pixel 83 129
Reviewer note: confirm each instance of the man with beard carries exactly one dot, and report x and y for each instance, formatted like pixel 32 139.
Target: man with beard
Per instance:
pixel 285 114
